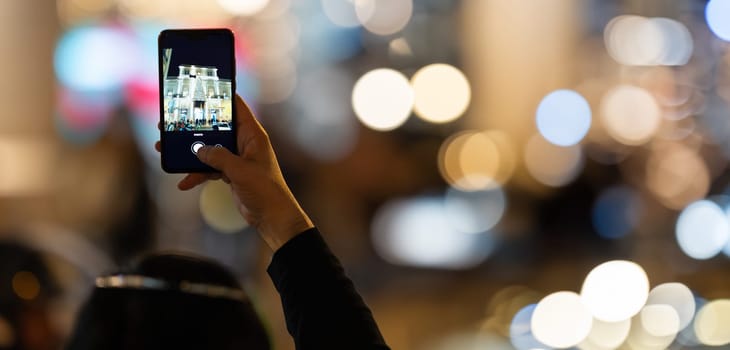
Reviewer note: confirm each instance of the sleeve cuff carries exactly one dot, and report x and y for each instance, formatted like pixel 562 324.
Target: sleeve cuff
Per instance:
pixel 296 254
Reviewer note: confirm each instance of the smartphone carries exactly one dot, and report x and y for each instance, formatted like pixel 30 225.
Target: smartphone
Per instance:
pixel 197 76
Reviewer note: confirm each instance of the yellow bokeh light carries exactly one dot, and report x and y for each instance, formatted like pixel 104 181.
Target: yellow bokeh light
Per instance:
pixel 442 93
pixel 660 320
pixel 507 155
pixel 26 285
pixel 640 337
pixel 219 209
pixel 711 323
pixel 382 99
pixel 479 161
pixel 630 114
pixel 384 17
pixel 561 320
pixel 677 175
pixel 552 165
pixel 473 160
pixel 606 335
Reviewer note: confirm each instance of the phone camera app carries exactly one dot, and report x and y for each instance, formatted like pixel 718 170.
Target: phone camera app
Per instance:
pixel 197 99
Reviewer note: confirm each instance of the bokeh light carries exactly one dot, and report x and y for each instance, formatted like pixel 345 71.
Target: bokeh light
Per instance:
pixel 382 99
pixel 442 93
pixel 677 175
pixel 676 295
pixel 552 165
pixel 639 41
pixel 563 117
pixel 384 17
pixel 677 43
pixel 26 285
pixel 96 58
pixel 341 12
pixel 711 323
pixel 520 330
pixel 615 290
pixel 660 320
pixel 641 338
pixel 688 336
pixel 417 232
pixel 7 333
pixel 243 7
pixel 606 335
pixel 616 212
pixel 630 114
pixel 469 160
pixel 717 14
pixel 561 320
pixel 507 155
pixel 702 230
pixel 219 209
pixel 479 162
pixel 474 211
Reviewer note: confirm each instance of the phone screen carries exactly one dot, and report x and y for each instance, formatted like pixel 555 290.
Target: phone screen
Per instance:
pixel 197 85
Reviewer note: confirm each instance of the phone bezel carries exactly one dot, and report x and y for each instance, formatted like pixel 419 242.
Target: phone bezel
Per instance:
pixel 194 34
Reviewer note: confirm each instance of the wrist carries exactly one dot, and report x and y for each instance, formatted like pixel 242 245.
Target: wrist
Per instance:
pixel 279 229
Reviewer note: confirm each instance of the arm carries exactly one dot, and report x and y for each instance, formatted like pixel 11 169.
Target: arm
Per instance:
pixel 322 308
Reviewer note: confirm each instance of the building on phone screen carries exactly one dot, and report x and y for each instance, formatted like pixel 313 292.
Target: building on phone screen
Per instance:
pixel 197 100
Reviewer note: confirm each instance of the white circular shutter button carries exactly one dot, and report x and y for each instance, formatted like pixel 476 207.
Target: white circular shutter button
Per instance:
pixel 196 146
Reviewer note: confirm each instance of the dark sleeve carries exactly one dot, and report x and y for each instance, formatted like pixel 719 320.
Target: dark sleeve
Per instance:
pixel 321 306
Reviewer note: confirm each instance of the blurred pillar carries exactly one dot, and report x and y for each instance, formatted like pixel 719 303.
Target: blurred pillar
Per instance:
pixel 28 30
pixel 517 51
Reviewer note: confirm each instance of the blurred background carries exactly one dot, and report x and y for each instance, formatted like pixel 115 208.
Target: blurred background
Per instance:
pixel 494 174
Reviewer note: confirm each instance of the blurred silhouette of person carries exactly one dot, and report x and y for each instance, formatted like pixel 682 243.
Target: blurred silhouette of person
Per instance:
pixel 169 301
pixel 173 301
pixel 26 289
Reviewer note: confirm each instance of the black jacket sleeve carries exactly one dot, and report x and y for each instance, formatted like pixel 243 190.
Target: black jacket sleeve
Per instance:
pixel 321 306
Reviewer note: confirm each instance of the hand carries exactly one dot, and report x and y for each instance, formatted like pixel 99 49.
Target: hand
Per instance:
pixel 262 195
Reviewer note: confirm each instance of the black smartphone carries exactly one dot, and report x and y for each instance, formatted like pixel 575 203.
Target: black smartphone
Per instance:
pixel 197 74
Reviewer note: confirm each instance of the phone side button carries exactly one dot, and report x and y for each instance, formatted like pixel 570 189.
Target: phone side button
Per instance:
pixel 196 146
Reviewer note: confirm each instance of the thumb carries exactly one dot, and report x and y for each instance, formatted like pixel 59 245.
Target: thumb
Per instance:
pixel 219 158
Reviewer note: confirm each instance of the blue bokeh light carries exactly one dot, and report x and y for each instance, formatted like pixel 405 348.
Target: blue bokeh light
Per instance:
pixel 520 330
pixel 702 230
pixel 717 14
pixel 96 58
pixel 563 117
pixel 616 212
